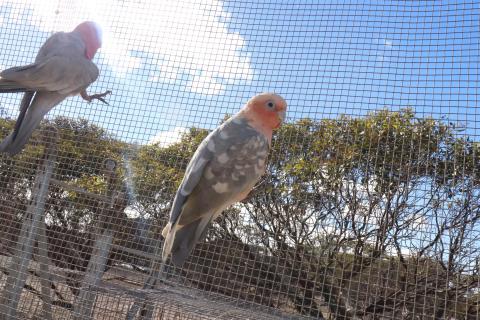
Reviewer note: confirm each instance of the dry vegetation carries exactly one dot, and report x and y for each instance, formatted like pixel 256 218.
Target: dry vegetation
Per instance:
pixel 357 218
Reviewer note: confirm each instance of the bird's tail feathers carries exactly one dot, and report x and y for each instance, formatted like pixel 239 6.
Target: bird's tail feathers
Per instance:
pixel 26 100
pixel 169 236
pixel 31 114
pixel 180 241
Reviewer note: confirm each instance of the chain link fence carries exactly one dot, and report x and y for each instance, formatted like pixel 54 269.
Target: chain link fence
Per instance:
pixel 370 206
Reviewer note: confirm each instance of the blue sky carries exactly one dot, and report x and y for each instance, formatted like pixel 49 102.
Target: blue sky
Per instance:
pixel 177 64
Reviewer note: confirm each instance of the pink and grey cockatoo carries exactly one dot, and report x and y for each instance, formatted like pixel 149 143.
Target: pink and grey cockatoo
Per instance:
pixel 63 67
pixel 223 170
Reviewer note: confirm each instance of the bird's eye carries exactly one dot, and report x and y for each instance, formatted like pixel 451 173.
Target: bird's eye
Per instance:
pixel 270 104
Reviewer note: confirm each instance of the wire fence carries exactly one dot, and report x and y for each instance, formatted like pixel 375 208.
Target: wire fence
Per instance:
pixel 370 205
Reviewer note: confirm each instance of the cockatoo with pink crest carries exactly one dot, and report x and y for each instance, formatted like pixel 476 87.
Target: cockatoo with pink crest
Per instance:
pixel 63 67
pixel 223 170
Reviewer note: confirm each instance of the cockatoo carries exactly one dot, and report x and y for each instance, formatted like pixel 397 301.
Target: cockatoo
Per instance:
pixel 63 67
pixel 223 170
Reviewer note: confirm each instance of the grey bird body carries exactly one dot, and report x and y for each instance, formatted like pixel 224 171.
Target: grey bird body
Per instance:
pixel 223 170
pixel 60 70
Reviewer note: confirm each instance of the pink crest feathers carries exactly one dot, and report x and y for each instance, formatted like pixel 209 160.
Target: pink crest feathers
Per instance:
pixel 91 34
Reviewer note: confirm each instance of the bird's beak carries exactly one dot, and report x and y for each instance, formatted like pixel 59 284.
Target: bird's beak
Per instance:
pixel 281 118
pixel 282 115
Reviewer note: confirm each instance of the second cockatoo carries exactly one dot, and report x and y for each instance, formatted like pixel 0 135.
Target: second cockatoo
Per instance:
pixel 63 67
pixel 223 170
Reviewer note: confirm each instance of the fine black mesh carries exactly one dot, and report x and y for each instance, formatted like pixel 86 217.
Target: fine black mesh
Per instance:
pixel 370 206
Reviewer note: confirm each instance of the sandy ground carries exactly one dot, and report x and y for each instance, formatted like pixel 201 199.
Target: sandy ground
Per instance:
pixel 116 293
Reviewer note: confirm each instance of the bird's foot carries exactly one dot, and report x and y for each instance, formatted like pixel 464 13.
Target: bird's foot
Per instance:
pixel 97 96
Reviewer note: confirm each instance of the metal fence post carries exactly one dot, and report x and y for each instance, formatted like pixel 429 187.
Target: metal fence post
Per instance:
pixel 104 237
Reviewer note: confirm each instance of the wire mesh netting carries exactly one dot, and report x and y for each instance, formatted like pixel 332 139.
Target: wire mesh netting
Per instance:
pixel 370 205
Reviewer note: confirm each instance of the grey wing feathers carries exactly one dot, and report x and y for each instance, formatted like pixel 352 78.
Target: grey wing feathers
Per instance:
pixel 55 73
pixel 11 86
pixel 7 86
pixel 192 176
pixel 204 155
pixel 60 66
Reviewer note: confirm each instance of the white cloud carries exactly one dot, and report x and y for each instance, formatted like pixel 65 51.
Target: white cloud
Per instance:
pixel 206 84
pixel 166 138
pixel 182 38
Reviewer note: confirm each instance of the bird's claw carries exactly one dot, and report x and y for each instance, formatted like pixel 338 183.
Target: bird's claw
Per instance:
pixel 103 100
pixel 97 96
